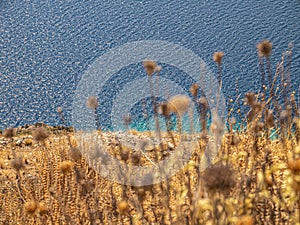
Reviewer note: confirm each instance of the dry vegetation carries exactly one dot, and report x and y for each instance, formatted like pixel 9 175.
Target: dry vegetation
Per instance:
pixel 255 179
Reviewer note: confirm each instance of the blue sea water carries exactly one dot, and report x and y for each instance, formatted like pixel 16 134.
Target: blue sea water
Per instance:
pixel 46 46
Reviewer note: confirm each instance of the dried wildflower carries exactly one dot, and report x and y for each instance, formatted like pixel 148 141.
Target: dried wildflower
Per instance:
pixel 124 154
pixel 194 89
pixel 219 178
pixel 9 133
pixel 270 121
pixel 264 48
pixel 30 207
pixel 66 166
pixel 203 102
pixel 141 193
pixel 42 208
pixel 217 57
pixel 164 109
pixel 257 107
pixel 135 158
pixel 75 154
pixel 17 163
pixel 92 102
pixel 123 207
pixel 250 98
pixel 235 140
pixel 245 220
pixel 179 104
pixel 289 109
pixel 40 134
pixel 149 66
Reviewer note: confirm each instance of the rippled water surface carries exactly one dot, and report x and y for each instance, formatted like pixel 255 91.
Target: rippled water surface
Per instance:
pixel 46 46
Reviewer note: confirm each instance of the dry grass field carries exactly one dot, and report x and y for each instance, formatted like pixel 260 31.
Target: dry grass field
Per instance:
pixel 255 178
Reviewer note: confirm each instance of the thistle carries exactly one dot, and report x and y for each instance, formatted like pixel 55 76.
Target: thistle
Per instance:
pixel 9 133
pixel 93 104
pixel 219 178
pixel 217 57
pixel 40 134
pixel 149 66
pixel 17 163
pixel 264 49
pixel 179 104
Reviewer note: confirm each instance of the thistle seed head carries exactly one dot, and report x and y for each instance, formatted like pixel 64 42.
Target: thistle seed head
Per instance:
pixel 150 66
pixel 92 102
pixel 194 90
pixel 217 57
pixel 17 163
pixel 40 134
pixel 179 104
pixel 9 133
pixel 264 48
pixel 219 178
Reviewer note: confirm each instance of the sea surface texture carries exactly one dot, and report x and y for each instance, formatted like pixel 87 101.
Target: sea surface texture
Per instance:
pixel 47 46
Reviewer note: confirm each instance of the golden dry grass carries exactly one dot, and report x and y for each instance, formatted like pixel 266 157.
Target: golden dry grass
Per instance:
pixel 52 188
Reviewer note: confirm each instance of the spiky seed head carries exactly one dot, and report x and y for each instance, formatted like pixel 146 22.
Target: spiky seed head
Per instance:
pixel 270 121
pixel 219 178
pixel 150 66
pixel 92 102
pixel 250 98
pixel 235 140
pixel 17 163
pixel 9 133
pixel 40 134
pixel 164 109
pixel 292 97
pixel 141 193
pixel 194 89
pixel 30 207
pixel 124 154
pixel 66 166
pixel 217 57
pixel 283 114
pixel 179 104
pixel 264 48
pixel 203 102
pixel 123 207
pixel 42 208
pixel 245 220
pixel 75 154
pixel 135 158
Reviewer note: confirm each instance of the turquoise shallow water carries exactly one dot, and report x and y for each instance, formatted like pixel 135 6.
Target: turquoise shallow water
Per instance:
pixel 46 46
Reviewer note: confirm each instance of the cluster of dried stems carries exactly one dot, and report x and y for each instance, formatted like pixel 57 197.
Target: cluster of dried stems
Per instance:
pixel 255 179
